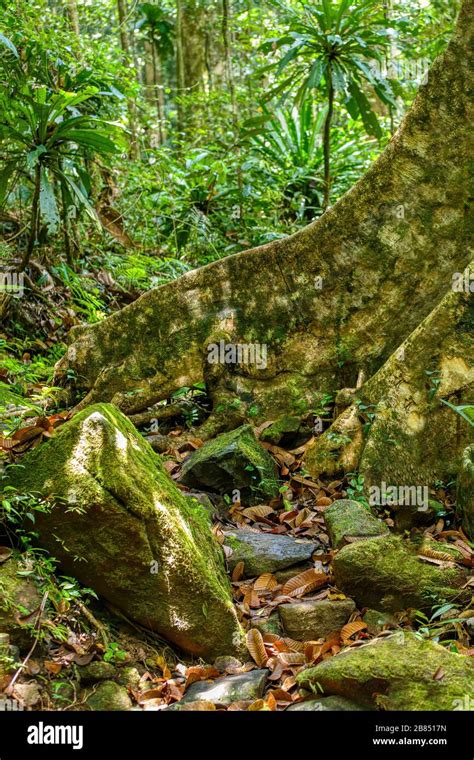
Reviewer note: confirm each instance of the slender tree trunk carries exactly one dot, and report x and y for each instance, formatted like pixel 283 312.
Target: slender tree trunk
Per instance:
pixel 73 17
pixel 181 83
pixel 34 219
pixel 158 92
pixel 327 141
pixel 131 105
pixel 226 11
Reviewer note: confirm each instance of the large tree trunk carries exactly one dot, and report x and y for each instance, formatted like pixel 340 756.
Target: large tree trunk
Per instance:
pixel 336 298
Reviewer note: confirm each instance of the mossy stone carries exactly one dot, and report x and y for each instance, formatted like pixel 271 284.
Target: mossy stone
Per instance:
pixel 121 526
pixel 19 596
pixel 386 573
pixel 96 671
pixel 396 673
pixel 348 518
pixel 109 696
pixel 311 620
pixel 232 461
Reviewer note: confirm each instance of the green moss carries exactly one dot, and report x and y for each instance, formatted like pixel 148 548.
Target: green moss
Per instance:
pixel 117 514
pixel 386 573
pixel 345 517
pixel 396 673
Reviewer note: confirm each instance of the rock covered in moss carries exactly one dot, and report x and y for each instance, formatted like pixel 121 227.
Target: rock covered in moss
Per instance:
pixel 109 695
pixel 19 597
pixel 400 672
pixel 96 671
pixel 233 461
pixel 265 552
pixel 121 526
pixel 347 518
pixel 311 620
pixel 465 491
pixel 326 704
pixel 285 425
pixel 386 573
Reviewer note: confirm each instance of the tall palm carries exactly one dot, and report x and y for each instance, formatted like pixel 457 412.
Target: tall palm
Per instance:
pixel 332 46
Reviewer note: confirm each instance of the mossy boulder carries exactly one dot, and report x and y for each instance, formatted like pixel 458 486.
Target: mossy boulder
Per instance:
pixel 387 574
pixel 465 491
pixel 284 426
pixel 19 597
pixel 109 695
pixel 265 552
pixel 311 620
pixel 97 671
pixel 400 672
pixel 233 461
pixel 121 526
pixel 346 518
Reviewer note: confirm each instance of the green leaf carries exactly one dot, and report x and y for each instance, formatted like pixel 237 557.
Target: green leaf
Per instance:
pixel 371 124
pixel 9 44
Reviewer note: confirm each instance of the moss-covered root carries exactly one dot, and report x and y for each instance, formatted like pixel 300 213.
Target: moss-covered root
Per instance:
pixel 386 574
pixel 313 308
pixel 397 673
pixel 120 525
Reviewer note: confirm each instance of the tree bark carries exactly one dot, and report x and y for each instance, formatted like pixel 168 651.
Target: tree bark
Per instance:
pixel 73 14
pixel 126 48
pixel 336 298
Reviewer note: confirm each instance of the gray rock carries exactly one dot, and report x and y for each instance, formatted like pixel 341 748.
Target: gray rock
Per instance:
pixel 311 620
pixel 128 676
pixel 265 552
pixel 109 696
pixel 326 704
pixel 346 517
pixel 223 691
pixel 232 461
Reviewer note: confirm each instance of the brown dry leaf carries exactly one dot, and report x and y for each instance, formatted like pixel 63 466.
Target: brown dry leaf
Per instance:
pixel 200 673
pixel 439 675
pixel 350 629
pixel 256 647
pixel 312 651
pixel 281 695
pixel 52 667
pixel 304 481
pixel 291 658
pixel 266 582
pixel 255 513
pixel 294 646
pixel 323 501
pixel 238 572
pixel 5 553
pixel 304 582
pixel 271 701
